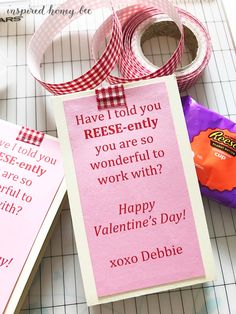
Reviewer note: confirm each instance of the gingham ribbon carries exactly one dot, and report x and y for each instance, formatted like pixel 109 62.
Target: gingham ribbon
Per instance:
pixel 133 70
pixel 30 136
pixel 110 97
pixel 118 28
pixel 50 28
pixel 185 76
pixel 104 65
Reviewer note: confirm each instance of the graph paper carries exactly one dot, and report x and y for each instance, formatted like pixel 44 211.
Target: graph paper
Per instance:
pixel 57 287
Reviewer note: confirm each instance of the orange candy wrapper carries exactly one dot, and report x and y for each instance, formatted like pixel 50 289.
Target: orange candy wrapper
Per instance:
pixel 213 141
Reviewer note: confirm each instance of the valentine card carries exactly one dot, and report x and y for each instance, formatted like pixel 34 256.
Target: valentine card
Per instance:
pixel 136 207
pixel 31 191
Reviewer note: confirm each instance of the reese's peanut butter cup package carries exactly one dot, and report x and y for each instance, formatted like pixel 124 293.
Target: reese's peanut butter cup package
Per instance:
pixel 213 141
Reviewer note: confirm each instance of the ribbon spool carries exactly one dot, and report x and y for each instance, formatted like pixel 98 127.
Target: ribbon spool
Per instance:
pixel 147 23
pixel 196 37
pixel 114 51
pixel 127 61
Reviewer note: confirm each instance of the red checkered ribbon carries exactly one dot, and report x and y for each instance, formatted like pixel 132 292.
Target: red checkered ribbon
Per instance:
pixel 131 65
pixel 134 68
pixel 119 29
pixel 104 65
pixel 110 97
pixel 30 136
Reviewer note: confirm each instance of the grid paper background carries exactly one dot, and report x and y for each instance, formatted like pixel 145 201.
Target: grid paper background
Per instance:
pixel 57 287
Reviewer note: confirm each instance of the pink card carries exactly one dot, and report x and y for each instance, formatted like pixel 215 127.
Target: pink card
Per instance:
pixel 31 178
pixel 135 189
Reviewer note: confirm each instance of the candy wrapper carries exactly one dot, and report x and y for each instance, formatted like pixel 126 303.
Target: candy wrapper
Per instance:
pixel 213 141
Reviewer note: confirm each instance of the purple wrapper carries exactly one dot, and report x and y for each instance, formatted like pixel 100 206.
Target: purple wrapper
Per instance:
pixel 198 118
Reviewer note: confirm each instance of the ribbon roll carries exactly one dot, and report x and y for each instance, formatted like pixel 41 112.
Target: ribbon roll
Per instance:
pixel 127 62
pixel 147 23
pixel 122 51
pixel 196 39
pixel 104 65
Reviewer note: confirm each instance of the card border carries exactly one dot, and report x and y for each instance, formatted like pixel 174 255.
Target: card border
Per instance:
pixel 192 184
